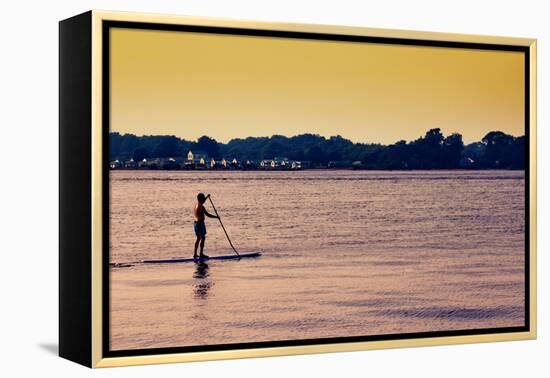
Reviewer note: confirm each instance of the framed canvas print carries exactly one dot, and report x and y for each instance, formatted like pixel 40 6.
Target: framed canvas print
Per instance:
pixel 235 189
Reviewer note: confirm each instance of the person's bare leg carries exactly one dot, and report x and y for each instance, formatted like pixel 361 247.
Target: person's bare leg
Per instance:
pixel 196 246
pixel 202 247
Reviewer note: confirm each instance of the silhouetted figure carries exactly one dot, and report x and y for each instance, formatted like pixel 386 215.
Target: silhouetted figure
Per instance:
pixel 200 226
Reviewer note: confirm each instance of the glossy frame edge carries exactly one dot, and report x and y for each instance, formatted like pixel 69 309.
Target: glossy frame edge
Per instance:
pixel 97 150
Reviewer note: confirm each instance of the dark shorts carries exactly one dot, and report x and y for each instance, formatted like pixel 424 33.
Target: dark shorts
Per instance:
pixel 200 228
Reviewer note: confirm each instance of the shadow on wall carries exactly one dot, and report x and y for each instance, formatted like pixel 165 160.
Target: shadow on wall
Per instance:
pixel 50 348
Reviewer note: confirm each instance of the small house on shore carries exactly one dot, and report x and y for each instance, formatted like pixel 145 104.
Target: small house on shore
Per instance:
pixel 196 159
pixel 130 164
pixel 115 164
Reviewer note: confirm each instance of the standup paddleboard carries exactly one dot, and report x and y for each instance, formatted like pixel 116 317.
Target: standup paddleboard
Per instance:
pixel 190 259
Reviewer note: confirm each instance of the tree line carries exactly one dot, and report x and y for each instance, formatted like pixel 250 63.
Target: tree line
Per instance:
pixel 496 150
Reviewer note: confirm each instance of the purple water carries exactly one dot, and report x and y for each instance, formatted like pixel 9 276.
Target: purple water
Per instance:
pixel 345 253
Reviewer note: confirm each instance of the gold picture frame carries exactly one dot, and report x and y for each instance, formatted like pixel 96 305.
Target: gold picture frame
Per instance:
pixel 82 210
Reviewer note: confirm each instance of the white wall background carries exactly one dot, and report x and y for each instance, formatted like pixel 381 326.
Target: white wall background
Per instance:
pixel 28 200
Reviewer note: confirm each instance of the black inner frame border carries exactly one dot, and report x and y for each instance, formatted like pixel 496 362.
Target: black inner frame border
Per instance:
pixel 107 25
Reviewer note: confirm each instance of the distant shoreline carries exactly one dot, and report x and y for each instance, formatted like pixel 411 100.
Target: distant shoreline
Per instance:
pixel 496 150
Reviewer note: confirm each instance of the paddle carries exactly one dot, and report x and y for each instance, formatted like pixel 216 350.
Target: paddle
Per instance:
pixel 220 219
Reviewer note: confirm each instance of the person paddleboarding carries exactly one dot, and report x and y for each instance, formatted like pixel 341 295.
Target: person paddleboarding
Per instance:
pixel 200 226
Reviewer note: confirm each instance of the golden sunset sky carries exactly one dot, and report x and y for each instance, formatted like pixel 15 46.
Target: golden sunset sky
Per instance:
pixel 193 84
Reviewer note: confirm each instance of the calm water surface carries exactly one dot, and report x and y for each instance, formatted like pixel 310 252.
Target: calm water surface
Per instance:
pixel 345 253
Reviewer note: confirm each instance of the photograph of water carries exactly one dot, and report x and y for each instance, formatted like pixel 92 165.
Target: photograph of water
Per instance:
pixel 344 253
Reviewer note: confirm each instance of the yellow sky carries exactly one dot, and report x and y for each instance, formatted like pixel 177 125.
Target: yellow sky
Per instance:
pixel 193 84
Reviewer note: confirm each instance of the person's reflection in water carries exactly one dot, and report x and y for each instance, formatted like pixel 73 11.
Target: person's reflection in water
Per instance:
pixel 201 287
